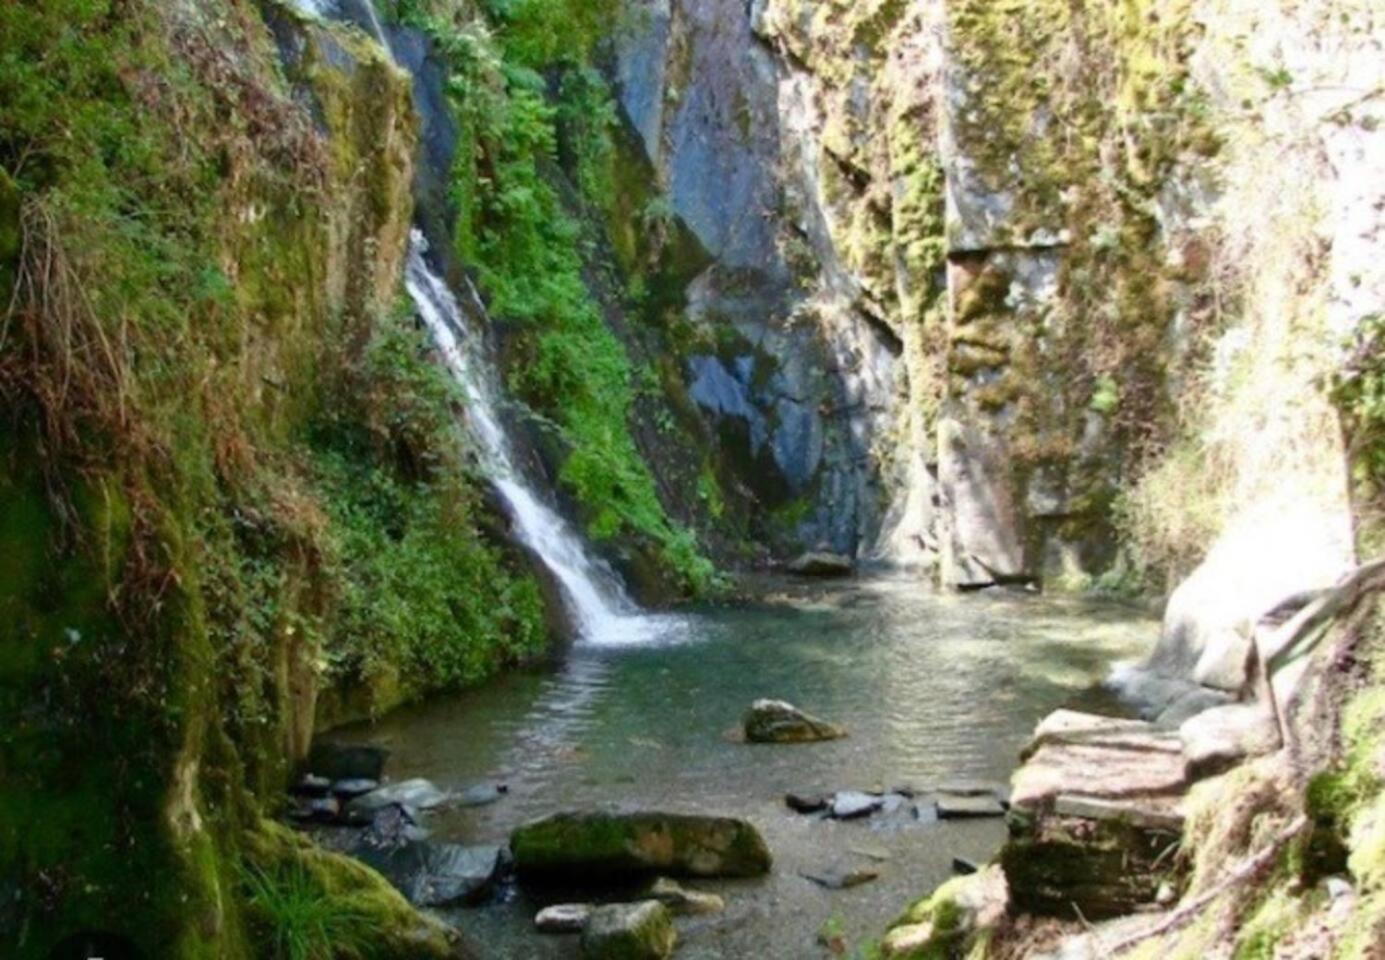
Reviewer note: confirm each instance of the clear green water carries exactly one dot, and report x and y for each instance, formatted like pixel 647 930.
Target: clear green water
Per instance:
pixel 933 687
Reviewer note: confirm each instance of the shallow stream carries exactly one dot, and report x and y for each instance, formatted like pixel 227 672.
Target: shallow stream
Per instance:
pixel 932 687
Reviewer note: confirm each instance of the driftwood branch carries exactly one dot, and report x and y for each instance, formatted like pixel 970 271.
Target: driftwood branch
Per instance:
pixel 1246 870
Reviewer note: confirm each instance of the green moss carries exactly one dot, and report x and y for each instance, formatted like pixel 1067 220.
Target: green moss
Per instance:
pixel 527 245
pixel 308 904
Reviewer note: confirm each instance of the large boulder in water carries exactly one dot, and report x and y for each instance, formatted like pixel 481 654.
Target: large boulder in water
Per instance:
pixel 774 721
pixel 611 845
pixel 629 931
pixel 822 563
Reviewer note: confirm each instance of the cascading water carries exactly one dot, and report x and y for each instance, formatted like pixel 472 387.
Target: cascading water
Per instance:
pixel 604 614
pixel 360 12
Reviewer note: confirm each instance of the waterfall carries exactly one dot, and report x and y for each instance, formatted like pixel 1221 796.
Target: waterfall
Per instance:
pixel 602 611
pixel 360 12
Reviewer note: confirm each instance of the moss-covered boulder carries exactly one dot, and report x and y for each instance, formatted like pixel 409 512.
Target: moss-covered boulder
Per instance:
pixel 611 845
pixel 774 721
pixel 629 931
pixel 298 892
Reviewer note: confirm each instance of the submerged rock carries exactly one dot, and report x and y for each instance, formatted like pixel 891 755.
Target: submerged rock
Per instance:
pixel 563 918
pixel 629 931
pixel 682 901
pixel 842 878
pixel 481 794
pixel 774 721
pixel 820 563
pixel 606 845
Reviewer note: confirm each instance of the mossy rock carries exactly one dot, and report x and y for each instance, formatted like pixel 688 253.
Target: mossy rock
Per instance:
pixel 373 919
pixel 612 846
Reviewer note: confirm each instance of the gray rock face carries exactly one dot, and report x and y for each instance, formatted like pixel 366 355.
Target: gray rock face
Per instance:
pixel 612 845
pixel 435 875
pixel 774 721
pixel 629 931
pixel 703 91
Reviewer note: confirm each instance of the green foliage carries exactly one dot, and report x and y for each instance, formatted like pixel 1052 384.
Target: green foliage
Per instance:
pixel 297 921
pixel 528 250
pixel 169 523
pixel 421 595
pixel 543 33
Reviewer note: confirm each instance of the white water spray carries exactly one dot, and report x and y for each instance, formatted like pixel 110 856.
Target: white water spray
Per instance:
pixel 603 613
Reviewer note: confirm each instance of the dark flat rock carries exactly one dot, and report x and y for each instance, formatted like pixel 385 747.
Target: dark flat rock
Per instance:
pixel 805 802
pixel 964 867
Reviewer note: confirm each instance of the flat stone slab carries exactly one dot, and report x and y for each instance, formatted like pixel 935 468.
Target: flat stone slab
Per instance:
pixel 959 808
pixel 842 878
pixel 1074 727
pixel 1155 813
pixel 1101 757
